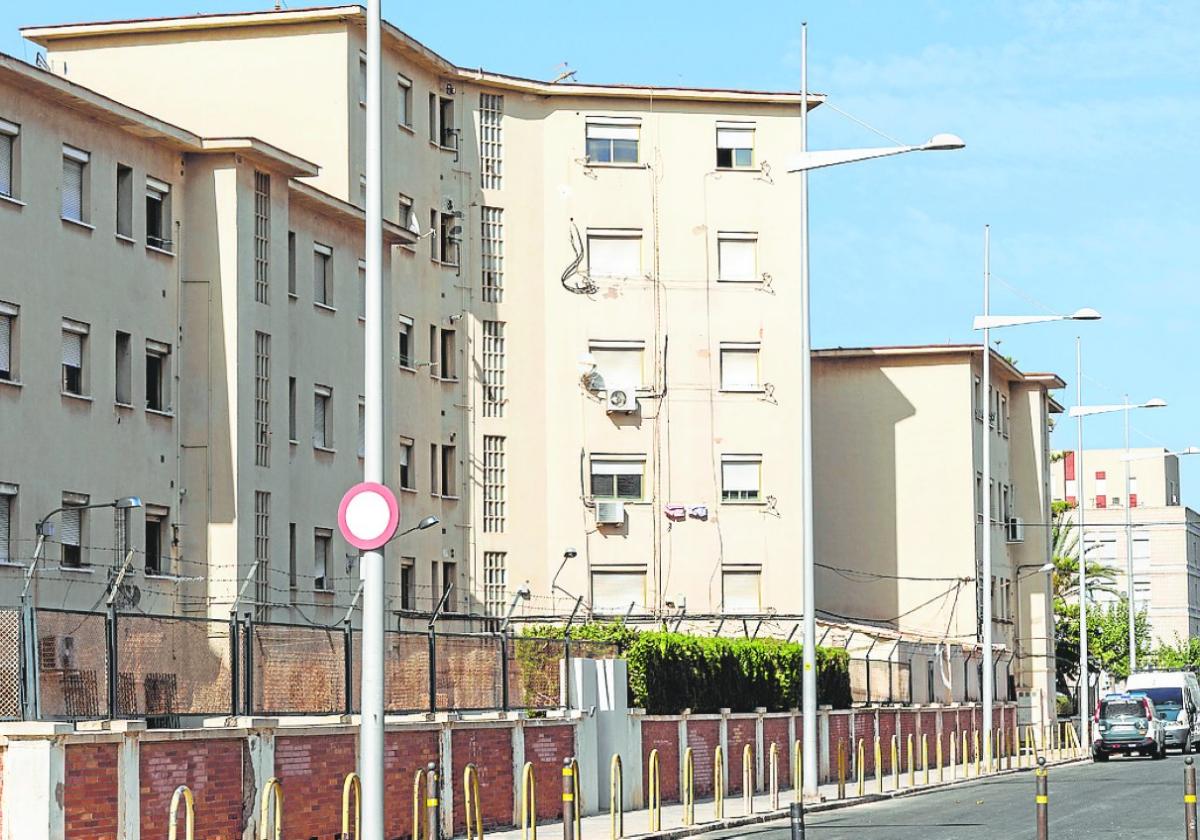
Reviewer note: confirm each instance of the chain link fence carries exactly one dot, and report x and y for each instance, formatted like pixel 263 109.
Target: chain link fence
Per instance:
pixel 11 641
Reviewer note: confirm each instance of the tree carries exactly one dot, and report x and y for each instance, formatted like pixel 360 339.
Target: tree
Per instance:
pixel 1108 639
pixel 1065 553
pixel 1182 653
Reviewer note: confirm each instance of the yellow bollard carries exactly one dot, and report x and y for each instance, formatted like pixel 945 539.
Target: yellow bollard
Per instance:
pixel 654 795
pixel 689 787
pixel 912 765
pixel 841 770
pixel 965 756
pixel 978 757
pixel 861 767
pixel 528 802
pixel 616 802
pixel 353 785
pixel 925 756
pixel 576 796
pixel 272 792
pixel 472 804
pixel 748 780
pixel 189 814
pixel 953 757
pixel 895 762
pixel 797 771
pixel 878 764
pixel 937 748
pixel 719 783
pixel 773 775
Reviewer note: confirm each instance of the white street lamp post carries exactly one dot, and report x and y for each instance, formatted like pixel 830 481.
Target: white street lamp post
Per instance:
pixel 983 584
pixel 1081 411
pixel 802 163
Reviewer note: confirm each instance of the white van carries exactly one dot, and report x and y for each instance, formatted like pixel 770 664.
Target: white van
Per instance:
pixel 1176 697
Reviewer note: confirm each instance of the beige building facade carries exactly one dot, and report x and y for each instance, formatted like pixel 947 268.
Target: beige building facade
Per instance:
pixel 589 308
pixel 898 435
pixel 1164 534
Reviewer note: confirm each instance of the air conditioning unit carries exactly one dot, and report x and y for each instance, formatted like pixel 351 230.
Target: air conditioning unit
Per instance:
pixel 622 398
pixel 1016 530
pixel 610 513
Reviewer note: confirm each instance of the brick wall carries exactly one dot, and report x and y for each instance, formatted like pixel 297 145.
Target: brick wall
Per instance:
pixel 775 730
pixel 741 731
pixel 887 728
pixel 664 737
pixel 546 747
pixel 839 733
pixel 909 724
pixel 403 754
pixel 490 750
pixel 864 730
pixel 212 768
pixel 703 736
pixel 90 793
pixel 311 770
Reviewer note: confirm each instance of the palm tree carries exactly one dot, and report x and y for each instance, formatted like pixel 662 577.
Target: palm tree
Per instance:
pixel 1065 552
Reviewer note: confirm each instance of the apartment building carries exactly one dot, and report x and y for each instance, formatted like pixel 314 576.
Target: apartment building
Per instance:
pixel 594 326
pixel 898 434
pixel 1165 534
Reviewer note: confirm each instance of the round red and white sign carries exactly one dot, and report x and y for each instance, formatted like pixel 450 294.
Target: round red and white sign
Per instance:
pixel 368 515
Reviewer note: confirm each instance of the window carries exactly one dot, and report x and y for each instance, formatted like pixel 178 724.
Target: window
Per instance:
pixel 158 376
pixel 618 478
pixel 74 350
pixel 8 515
pixel 737 260
pixel 449 465
pixel 408 467
pixel 362 79
pixel 408 583
pixel 741 589
pixel 158 214
pixel 493 368
pixel 362 428
pixel 404 343
pixel 124 201
pixel 978 497
pixel 495 582
pixel 292 438
pixel 293 572
pixel 72 521
pixel 362 290
pixel 441 122
pixel 449 578
pixel 9 132
pixel 124 369
pixel 449 355
pixel 434 486
pixel 322 560
pixel 156 528
pixel 619 362
pixel 741 478
pixel 735 145
pixel 619 589
pixel 407 218
pixel 612 139
pixel 403 101
pixel 492 242
pixel 74 184
pixel 8 330
pixel 262 551
pixel 322 417
pixel 977 398
pixel 435 239
pixel 262 237
pixel 262 399
pixel 614 253
pixel 322 274
pixel 1004 414
pixel 433 350
pixel 291 265
pixel 739 367
pixel 450 233
pixel 493 484
pixel 491 140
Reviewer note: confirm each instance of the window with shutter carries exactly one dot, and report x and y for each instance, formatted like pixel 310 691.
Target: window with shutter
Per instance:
pixel 739 367
pixel 737 260
pixel 158 216
pixel 322 439
pixel 619 362
pixel 614 591
pixel 322 570
pixel 70 535
pixel 612 140
pixel 322 275
pixel 73 337
pixel 618 479
pixel 6 354
pixel 735 145
pixel 404 342
pixel 362 289
pixel 407 465
pixel 741 590
pixel 8 145
pixel 741 478
pixel 74 166
pixel 8 496
pixel 614 253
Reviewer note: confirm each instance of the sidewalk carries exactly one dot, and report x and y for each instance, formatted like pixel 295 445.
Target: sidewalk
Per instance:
pixel 637 823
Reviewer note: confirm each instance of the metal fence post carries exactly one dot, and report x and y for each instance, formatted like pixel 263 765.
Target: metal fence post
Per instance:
pixel 1189 799
pixel 568 800
pixel 248 667
pixel 432 824
pixel 110 626
pixel 504 670
pixel 432 670
pixel 796 814
pixel 1042 800
pixel 29 664
pixel 235 656
pixel 566 689
pixel 348 666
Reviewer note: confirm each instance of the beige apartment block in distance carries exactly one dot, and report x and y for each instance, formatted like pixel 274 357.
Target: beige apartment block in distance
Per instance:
pixel 1165 534
pixel 898 435
pixel 592 374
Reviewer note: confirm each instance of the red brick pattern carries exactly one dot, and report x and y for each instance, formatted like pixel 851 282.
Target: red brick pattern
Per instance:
pixel 90 794
pixel 403 754
pixel 775 730
pixel 704 736
pixel 311 770
pixel 741 731
pixel 490 750
pixel 887 728
pixel 909 726
pixel 212 768
pixel 546 747
pixel 664 737
pixel 864 730
pixel 839 733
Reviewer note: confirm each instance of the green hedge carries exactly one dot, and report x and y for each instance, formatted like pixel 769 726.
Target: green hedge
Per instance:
pixel 669 672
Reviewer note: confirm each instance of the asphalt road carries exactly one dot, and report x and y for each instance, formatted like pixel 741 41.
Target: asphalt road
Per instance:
pixel 1123 799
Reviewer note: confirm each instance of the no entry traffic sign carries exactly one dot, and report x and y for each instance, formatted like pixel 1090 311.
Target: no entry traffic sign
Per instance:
pixel 368 515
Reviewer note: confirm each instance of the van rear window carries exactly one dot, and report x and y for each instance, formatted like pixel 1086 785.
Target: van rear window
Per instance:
pixel 1122 709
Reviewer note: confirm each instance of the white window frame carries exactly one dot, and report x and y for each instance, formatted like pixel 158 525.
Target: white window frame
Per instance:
pixel 492 254
pixel 599 347
pixel 495 482
pixel 494 362
pixel 613 465
pixel 9 494
pixel 323 435
pixel 495 583
pixel 325 298
pixel 160 191
pixel 405 328
pixel 10 138
pixel 84 332
pixel 741 495
pixel 741 571
pixel 598 130
pixel 633 572
pixel 491 140
pixel 404 117
pixel 9 313
pixel 741 348
pixel 628 235
pixel 162 351
pixel 262 237
pixel 726 131
pixel 725 272
pixel 262 399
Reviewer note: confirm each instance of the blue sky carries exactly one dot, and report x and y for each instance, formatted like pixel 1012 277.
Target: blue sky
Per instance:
pixel 1081 119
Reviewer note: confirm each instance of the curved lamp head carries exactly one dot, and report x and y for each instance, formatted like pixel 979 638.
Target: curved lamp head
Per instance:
pixel 427 522
pixel 943 142
pixel 523 592
pixel 1085 314
pixel 127 502
pixel 1154 403
pixel 569 553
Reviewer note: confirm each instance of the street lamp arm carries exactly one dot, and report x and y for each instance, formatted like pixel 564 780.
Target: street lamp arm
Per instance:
pixel 1087 410
pixel 807 160
pixel 993 322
